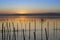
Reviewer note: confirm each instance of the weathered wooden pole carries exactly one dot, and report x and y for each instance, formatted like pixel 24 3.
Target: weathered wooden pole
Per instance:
pixel 48 28
pixel 35 26
pixel 17 31
pixel 12 30
pixel 25 28
pixel 46 34
pixel 14 35
pixel 54 30
pixel 34 35
pixel 21 29
pixel 23 35
pixel 2 31
pixel 25 31
pixel 9 31
pixel 29 30
pixel 42 29
pixel 35 30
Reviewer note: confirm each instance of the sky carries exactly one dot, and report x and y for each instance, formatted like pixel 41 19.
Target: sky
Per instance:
pixel 29 6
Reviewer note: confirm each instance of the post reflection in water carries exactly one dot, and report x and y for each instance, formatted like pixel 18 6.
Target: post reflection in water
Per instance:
pixel 29 28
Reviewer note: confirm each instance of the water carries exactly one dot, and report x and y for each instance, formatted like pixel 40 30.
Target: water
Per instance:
pixel 36 24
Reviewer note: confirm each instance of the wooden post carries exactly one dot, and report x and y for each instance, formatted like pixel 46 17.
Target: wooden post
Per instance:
pixel 46 34
pixel 54 30
pixel 25 31
pixel 9 32
pixel 34 35
pixel 21 30
pixel 42 29
pixel 23 35
pixel 35 26
pixel 29 30
pixel 48 28
pixel 17 31
pixel 14 35
pixel 2 31
pixel 25 26
pixel 35 30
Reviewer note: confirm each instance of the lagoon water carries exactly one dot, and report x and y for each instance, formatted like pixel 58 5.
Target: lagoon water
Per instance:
pixel 35 24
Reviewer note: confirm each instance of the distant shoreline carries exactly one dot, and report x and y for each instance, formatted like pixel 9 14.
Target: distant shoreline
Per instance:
pixel 32 15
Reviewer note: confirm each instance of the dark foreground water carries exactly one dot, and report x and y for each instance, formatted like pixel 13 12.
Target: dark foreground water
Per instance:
pixel 29 28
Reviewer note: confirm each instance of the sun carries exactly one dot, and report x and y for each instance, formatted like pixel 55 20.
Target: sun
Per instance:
pixel 22 11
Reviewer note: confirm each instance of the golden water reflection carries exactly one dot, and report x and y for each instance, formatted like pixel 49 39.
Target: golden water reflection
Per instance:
pixel 25 22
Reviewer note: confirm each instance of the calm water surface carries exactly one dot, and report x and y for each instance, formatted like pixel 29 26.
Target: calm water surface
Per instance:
pixel 35 24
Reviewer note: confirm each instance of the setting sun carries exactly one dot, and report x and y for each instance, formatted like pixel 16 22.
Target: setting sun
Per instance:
pixel 22 11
